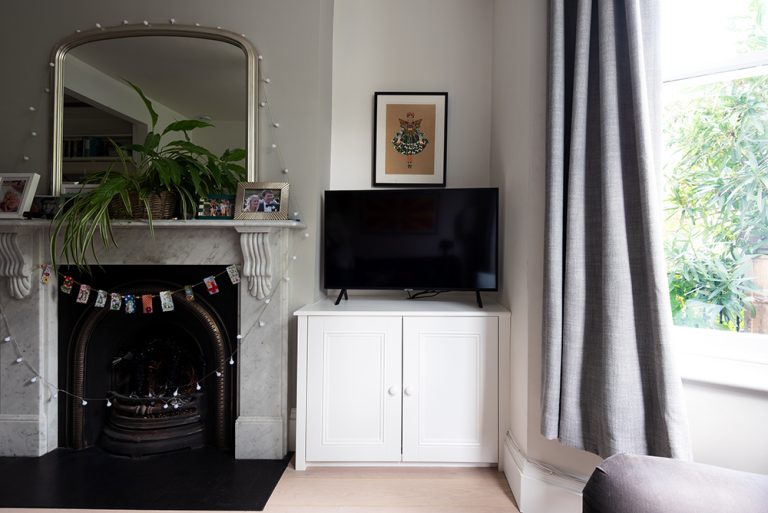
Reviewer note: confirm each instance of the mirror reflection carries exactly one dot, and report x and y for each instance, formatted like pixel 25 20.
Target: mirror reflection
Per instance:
pixel 184 77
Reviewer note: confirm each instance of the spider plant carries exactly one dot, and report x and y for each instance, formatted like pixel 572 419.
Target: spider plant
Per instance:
pixel 180 167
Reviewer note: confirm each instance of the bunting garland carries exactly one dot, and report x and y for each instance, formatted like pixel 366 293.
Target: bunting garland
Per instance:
pixel 128 302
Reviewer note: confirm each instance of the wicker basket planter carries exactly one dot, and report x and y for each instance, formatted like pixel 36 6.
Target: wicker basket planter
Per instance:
pixel 162 206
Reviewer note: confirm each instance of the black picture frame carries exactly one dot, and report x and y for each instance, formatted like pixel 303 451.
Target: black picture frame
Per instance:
pixel 410 135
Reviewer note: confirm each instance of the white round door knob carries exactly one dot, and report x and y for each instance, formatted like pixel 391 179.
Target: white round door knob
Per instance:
pixel 393 390
pixel 408 390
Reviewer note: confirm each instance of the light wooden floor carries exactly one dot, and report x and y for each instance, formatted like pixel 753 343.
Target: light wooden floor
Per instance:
pixel 392 490
pixel 380 490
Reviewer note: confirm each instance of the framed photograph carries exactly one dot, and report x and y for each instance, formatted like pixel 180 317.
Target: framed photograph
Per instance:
pixel 261 200
pixel 44 207
pixel 217 206
pixel 16 193
pixel 409 139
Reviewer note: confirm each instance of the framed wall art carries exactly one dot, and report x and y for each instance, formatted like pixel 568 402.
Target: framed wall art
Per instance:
pixel 409 139
pixel 17 190
pixel 261 200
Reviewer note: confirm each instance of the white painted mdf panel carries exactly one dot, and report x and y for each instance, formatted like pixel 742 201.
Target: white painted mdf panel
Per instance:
pixel 353 389
pixel 450 389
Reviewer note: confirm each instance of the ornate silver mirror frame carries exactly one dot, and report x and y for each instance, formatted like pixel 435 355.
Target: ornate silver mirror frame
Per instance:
pixel 139 30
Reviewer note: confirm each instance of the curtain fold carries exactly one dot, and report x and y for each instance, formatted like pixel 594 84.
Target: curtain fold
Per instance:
pixel 609 381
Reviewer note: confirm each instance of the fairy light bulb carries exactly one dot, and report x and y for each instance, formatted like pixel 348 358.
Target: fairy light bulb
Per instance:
pixel 276 125
pixel 267 80
pixel 34 379
pixel 165 406
pixel 7 339
pixel 268 300
pixel 32 108
pixel 262 324
pixel 19 359
pixel 109 403
pixel 294 257
pixel 98 25
pixel 175 406
pixel 262 104
pixel 285 171
pixel 239 336
pixel 260 57
pixel 287 278
pixel 231 360
pixel 198 387
pixel 84 403
pixel 218 374
pixel 176 393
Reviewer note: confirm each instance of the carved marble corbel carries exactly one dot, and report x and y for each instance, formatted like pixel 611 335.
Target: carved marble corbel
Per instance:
pixel 257 262
pixel 12 266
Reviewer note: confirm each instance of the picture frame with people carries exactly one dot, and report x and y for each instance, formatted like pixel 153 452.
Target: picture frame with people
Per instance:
pixel 261 200
pixel 17 190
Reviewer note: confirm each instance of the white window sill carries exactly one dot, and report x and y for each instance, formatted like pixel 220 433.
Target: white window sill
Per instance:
pixel 722 358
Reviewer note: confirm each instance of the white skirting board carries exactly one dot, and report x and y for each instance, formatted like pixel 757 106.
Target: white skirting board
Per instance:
pixel 540 488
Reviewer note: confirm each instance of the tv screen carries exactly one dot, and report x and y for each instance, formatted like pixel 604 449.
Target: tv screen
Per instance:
pixel 418 239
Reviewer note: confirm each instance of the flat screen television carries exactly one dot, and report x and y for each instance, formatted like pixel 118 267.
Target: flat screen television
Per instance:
pixel 411 239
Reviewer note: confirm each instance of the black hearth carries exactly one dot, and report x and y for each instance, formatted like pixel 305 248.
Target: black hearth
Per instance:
pixel 149 379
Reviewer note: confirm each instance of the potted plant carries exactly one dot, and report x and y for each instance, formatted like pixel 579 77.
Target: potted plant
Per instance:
pixel 150 181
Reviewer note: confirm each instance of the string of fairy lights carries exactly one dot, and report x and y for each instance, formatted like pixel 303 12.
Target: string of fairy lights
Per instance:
pixel 167 401
pixel 35 376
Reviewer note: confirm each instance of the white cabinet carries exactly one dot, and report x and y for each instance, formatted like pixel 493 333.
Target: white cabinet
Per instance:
pixel 389 381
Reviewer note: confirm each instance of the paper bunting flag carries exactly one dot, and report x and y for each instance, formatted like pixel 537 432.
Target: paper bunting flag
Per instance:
pixel 146 303
pixel 115 301
pixel 234 276
pixel 210 282
pixel 101 299
pixel 189 293
pixel 46 277
pixel 84 294
pixel 66 287
pixel 166 301
pixel 130 304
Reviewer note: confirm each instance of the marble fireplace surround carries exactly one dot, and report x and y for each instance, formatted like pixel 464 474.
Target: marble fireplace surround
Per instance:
pixel 28 414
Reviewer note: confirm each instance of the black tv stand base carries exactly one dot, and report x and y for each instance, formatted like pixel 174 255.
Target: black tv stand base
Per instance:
pixel 342 292
pixel 479 299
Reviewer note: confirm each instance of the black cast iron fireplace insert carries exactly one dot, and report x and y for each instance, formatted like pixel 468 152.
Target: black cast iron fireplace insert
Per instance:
pixel 157 370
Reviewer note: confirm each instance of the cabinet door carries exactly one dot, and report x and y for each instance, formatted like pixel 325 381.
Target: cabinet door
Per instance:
pixel 450 389
pixel 353 388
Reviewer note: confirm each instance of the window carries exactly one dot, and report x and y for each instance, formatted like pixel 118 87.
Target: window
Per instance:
pixel 715 130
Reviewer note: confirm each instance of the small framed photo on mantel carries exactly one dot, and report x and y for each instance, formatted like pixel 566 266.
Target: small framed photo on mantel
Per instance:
pixel 261 200
pixel 17 190
pixel 409 139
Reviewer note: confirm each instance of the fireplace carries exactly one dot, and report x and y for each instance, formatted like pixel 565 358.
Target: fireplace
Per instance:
pixel 254 387
pixel 158 370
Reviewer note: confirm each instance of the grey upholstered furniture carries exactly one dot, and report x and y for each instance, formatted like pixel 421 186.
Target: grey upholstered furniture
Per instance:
pixel 644 484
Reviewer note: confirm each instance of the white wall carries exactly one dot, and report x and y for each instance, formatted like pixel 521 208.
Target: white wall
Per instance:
pixel 411 45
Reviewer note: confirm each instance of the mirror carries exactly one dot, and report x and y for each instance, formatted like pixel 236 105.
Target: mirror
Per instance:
pixel 187 72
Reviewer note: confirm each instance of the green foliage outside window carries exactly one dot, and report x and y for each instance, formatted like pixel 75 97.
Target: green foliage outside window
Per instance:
pixel 717 189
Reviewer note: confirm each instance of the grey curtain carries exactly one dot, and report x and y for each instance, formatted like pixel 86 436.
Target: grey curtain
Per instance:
pixel 609 383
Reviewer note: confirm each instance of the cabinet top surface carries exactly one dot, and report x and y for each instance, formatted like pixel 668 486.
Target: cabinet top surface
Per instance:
pixel 364 305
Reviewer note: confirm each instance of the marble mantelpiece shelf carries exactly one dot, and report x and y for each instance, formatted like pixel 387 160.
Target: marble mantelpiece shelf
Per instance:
pixel 166 223
pixel 16 264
